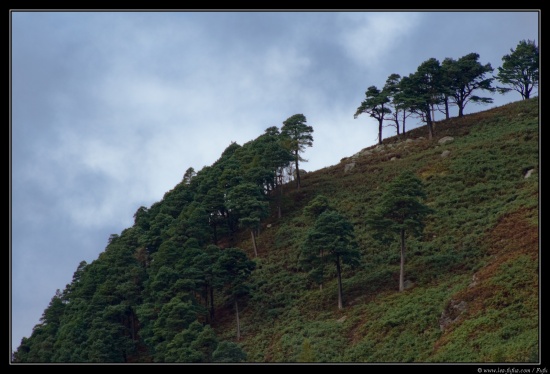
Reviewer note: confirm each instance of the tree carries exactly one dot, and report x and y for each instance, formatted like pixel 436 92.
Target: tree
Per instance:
pixel 375 104
pixel 299 137
pixel 228 352
pixel 247 202
pixel 520 69
pixel 463 77
pixel 423 90
pixel 331 240
pixel 189 174
pixel 234 268
pixel 400 212
pixel 397 101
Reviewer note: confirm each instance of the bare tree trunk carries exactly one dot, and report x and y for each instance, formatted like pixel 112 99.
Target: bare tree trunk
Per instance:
pixel 238 323
pixel 402 270
pixel 211 303
pixel 429 124
pixel 297 171
pixel 339 273
pixel 254 242
pixel 380 130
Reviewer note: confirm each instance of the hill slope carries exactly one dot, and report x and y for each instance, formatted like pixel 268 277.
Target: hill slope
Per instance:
pixel 472 279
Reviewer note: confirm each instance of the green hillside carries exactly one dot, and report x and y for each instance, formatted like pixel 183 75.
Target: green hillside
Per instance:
pixel 167 289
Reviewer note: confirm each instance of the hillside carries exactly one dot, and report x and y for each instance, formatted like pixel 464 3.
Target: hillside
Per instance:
pixel 472 277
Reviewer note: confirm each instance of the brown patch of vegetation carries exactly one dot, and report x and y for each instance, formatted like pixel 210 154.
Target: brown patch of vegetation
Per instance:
pixel 512 237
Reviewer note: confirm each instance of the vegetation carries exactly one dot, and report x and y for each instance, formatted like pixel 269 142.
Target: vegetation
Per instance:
pixel 187 282
pixel 520 69
pixel 400 212
pixel 298 136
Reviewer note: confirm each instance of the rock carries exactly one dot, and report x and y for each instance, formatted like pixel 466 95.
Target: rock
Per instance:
pixel 366 152
pixel 407 284
pixel 268 225
pixel 342 319
pixel 445 153
pixel 446 139
pixel 349 166
pixel 452 313
pixel 529 172
pixel 474 282
pixel 393 158
pixel 409 140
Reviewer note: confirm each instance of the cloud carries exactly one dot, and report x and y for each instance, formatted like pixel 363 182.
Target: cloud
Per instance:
pixel 369 38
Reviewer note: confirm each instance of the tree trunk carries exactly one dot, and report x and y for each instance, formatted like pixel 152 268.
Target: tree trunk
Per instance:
pixel 402 269
pixel 461 107
pixel 297 171
pixel 254 242
pixel 211 303
pixel 404 122
pixel 397 127
pixel 446 107
pixel 429 124
pixel 339 274
pixel 238 323
pixel 206 305
pixel 279 200
pixel 380 120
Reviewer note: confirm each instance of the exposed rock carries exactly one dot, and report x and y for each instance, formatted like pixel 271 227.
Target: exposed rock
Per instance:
pixel 446 139
pixel 268 225
pixel 445 153
pixel 342 319
pixel 407 284
pixel 474 281
pixel 529 172
pixel 409 140
pixel 366 152
pixel 349 166
pixel 393 158
pixel 452 313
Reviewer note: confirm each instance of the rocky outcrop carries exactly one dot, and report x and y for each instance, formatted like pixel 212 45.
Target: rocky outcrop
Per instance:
pixel 349 166
pixel 452 313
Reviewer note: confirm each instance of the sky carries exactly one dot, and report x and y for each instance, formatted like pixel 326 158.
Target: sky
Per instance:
pixel 109 109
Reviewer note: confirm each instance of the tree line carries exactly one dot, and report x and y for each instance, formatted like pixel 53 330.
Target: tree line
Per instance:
pixel 437 86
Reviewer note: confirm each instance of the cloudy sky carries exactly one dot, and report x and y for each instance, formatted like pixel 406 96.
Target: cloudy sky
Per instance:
pixel 108 109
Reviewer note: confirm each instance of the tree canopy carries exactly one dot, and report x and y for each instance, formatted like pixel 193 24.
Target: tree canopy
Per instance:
pixel 299 136
pixel 400 212
pixel 520 69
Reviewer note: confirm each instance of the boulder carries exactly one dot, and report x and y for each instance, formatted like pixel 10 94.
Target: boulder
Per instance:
pixel 529 172
pixel 446 139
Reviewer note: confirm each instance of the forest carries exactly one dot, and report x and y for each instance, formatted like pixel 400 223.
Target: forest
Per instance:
pixel 421 248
